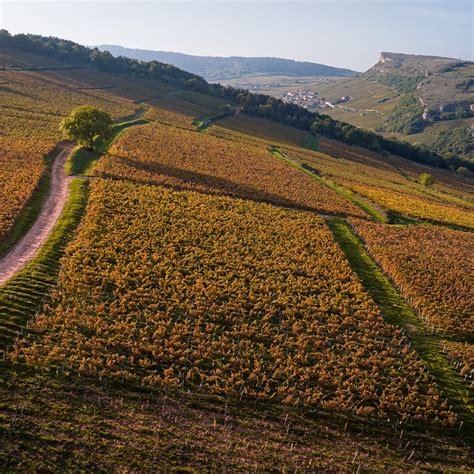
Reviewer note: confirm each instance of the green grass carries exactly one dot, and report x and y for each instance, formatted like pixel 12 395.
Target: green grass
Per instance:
pixel 376 215
pixel 203 123
pixel 24 293
pixel 81 161
pixel 395 310
pixel 30 212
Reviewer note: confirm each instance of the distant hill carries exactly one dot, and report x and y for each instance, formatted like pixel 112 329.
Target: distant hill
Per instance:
pixel 426 100
pixel 410 64
pixel 215 68
pixel 441 84
pixel 72 54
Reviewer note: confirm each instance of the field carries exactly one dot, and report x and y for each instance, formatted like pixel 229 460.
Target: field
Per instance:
pixel 461 354
pixel 49 421
pixel 241 296
pixel 388 183
pixel 443 295
pixel 264 129
pixel 32 107
pixel 278 85
pixel 250 316
pixel 370 103
pixel 443 179
pixel 369 106
pixel 188 160
pixel 391 184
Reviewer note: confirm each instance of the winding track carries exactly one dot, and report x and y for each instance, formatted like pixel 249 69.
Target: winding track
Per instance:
pixel 31 242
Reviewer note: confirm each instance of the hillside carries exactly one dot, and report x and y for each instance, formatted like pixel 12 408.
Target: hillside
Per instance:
pixel 236 100
pixel 224 291
pixel 420 99
pixel 215 68
pixel 442 85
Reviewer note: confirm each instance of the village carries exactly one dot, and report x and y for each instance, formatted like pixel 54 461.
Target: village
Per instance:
pixel 310 99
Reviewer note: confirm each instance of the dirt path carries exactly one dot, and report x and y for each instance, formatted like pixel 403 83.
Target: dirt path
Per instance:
pixel 30 243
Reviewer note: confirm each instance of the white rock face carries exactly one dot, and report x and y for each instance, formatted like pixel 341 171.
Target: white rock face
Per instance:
pixel 383 58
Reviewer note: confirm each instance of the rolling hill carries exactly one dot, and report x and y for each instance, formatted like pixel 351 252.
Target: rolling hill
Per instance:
pixel 223 291
pixel 442 85
pixel 215 68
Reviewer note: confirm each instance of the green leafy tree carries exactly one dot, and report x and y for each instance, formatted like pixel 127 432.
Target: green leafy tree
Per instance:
pixel 425 179
pixel 87 124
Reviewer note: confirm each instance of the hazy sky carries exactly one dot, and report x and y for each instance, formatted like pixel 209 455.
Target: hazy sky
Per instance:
pixel 347 33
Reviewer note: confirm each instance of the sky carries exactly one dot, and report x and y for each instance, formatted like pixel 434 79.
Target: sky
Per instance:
pixel 343 33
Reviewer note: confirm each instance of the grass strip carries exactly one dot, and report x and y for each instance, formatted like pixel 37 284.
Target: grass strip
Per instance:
pixel 396 310
pixel 25 292
pixel 376 216
pixel 203 123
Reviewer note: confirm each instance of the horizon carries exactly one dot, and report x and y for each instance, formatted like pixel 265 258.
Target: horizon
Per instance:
pixel 445 32
pixel 257 57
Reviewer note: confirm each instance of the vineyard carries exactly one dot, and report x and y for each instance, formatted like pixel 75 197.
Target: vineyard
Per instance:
pixel 112 428
pixel 234 297
pixel 390 189
pixel 432 268
pixel 189 103
pixel 184 159
pixel 32 107
pixel 265 130
pixel 390 184
pixel 219 299
pixel 461 355
pixel 446 184
pixel 168 117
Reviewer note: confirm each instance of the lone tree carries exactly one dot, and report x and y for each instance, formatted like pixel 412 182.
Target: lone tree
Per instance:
pixel 87 124
pixel 425 179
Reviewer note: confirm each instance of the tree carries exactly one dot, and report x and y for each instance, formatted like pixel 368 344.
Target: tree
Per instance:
pixel 227 109
pixel 462 171
pixel 425 179
pixel 87 124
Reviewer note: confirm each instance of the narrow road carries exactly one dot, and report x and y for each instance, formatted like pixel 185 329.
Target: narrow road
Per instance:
pixel 31 242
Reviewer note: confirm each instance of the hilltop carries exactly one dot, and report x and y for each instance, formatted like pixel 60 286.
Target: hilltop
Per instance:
pixel 217 68
pixel 409 64
pixel 442 85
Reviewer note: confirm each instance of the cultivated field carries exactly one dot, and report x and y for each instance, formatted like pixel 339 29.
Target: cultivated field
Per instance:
pixel 220 300
pixel 184 159
pixel 205 301
pixel 432 268
pixel 32 106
